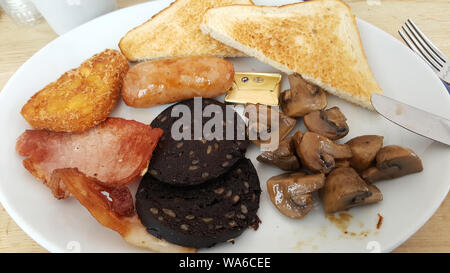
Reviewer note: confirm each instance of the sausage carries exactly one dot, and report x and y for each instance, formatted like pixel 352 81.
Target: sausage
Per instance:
pixel 169 80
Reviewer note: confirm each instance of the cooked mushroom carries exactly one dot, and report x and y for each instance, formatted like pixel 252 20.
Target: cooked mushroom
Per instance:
pixel 318 153
pixel 341 163
pixel 372 174
pixel 330 123
pixel 344 189
pixel 297 139
pixel 260 125
pixel 291 193
pixel 376 195
pixel 284 157
pixel 302 98
pixel 364 150
pixel 393 161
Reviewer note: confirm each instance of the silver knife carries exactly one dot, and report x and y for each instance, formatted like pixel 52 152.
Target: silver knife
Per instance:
pixel 413 119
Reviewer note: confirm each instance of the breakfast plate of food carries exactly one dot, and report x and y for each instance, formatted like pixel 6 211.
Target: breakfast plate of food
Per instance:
pixel 220 126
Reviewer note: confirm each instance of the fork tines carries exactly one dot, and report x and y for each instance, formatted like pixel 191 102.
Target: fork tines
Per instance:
pixel 419 43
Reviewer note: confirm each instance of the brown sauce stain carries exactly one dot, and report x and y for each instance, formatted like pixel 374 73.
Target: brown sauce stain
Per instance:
pixel 363 233
pixel 322 232
pixel 380 221
pixel 306 243
pixel 342 222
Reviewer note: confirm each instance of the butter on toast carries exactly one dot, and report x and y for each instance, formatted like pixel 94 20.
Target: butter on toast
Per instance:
pixel 318 39
pixel 175 32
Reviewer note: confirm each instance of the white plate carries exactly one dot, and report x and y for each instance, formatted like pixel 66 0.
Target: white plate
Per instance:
pixel 408 202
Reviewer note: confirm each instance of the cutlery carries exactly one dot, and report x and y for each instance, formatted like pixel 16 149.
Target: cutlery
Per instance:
pixel 413 119
pixel 420 44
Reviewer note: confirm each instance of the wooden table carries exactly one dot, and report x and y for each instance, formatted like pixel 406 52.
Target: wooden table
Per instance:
pixel 20 43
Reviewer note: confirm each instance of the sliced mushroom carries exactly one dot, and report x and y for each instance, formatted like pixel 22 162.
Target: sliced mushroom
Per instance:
pixel 393 161
pixel 342 163
pixel 376 195
pixel 297 139
pixel 263 124
pixel 373 174
pixel 284 157
pixel 344 189
pixel 291 193
pixel 302 98
pixel 364 150
pixel 330 123
pixel 318 153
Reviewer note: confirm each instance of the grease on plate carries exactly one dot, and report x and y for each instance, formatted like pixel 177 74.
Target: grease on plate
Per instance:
pixel 380 221
pixel 341 222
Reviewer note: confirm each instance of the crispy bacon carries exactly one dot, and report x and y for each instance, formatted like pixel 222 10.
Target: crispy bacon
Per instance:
pixel 122 201
pixel 88 191
pixel 119 200
pixel 116 152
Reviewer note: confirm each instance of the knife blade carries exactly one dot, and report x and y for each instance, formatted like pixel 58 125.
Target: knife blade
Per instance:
pixel 413 119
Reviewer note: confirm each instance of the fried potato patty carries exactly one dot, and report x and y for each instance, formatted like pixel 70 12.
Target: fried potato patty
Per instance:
pixel 81 98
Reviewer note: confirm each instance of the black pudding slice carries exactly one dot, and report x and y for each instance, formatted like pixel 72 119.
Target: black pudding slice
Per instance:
pixel 203 215
pixel 191 162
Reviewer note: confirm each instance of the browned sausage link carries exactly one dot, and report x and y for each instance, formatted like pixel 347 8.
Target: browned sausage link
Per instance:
pixel 169 80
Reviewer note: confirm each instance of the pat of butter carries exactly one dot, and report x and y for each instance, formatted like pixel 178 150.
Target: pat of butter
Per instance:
pixel 256 88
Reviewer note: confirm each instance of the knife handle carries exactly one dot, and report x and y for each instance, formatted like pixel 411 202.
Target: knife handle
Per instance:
pixel 446 86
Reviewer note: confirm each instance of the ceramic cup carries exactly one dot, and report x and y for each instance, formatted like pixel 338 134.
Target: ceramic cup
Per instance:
pixel 64 15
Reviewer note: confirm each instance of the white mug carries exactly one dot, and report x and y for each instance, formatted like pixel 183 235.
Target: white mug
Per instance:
pixel 64 15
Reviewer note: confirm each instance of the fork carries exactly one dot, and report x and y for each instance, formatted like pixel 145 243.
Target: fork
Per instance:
pixel 420 44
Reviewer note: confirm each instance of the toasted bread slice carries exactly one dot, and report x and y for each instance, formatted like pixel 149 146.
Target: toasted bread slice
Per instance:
pixel 317 39
pixel 175 32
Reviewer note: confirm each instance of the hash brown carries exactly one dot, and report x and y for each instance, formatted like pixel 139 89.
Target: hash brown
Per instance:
pixel 81 98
